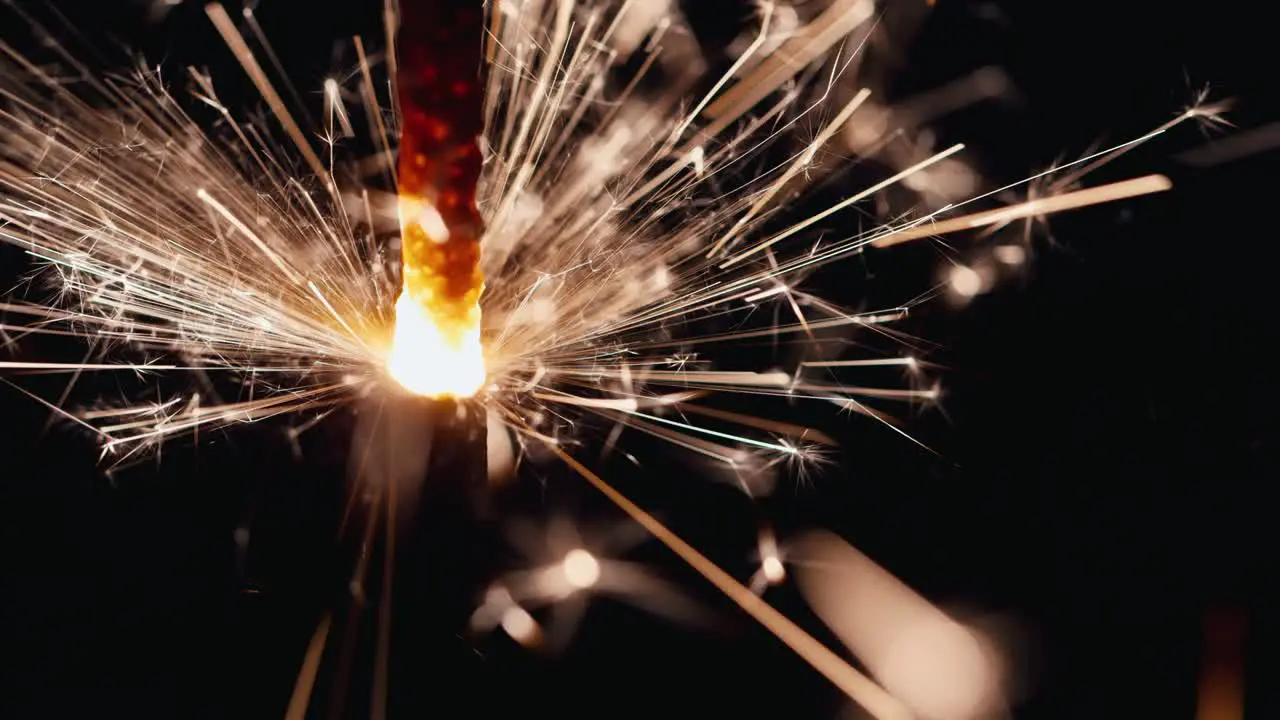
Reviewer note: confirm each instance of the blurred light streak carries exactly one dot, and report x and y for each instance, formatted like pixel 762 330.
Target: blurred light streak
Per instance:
pixel 940 669
pixel 1110 192
pixel 1220 694
pixel 843 675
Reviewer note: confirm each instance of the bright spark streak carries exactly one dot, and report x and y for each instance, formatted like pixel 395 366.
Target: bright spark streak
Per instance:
pixel 715 433
pixel 1110 192
pixel 873 362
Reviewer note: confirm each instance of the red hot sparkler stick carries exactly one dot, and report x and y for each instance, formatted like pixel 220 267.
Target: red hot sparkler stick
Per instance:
pixel 440 93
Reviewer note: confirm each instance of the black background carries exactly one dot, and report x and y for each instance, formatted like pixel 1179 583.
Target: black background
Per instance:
pixel 1105 452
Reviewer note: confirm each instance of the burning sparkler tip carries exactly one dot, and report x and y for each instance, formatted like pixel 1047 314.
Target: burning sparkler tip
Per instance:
pixel 430 360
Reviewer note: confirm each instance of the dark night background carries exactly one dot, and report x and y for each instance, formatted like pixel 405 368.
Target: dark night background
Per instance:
pixel 1106 448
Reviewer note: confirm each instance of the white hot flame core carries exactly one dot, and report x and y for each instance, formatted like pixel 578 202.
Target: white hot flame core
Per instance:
pixel 427 362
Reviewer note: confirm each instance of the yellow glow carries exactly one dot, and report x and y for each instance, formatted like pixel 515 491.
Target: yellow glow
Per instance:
pixel 425 361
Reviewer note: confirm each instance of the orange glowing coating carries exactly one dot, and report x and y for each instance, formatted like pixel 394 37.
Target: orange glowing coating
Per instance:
pixel 436 346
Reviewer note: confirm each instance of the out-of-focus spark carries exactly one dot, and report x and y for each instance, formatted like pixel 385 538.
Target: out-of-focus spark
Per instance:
pixel 965 281
pixel 939 668
pixel 1110 192
pixel 305 684
pixel 771 566
pixel 520 625
pixel 569 568
pixel 798 52
pixel 1236 147
pixel 856 685
pixel 1010 254
pixel 773 570
pixel 581 569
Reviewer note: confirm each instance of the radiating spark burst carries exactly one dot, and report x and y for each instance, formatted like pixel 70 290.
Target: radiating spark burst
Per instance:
pixel 637 206
pixel 610 239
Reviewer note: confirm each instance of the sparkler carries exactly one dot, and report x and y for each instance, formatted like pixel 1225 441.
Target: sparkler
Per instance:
pixel 433 452
pixel 620 218
pixel 436 346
